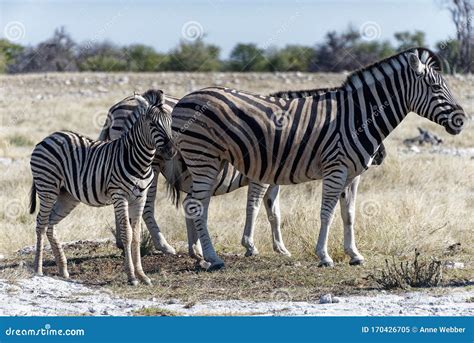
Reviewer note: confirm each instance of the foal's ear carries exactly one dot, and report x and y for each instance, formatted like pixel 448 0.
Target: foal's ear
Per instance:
pixel 415 63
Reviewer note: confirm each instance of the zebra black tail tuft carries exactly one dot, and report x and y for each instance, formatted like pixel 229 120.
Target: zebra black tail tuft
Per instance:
pixel 173 182
pixel 33 198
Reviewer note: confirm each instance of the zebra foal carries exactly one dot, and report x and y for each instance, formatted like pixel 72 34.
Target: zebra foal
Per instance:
pixel 69 168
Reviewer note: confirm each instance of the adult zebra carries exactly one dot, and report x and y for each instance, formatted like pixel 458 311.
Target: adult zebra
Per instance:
pixel 120 119
pixel 69 168
pixel 331 136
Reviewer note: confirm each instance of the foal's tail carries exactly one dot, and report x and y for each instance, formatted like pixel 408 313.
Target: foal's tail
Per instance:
pixel 33 198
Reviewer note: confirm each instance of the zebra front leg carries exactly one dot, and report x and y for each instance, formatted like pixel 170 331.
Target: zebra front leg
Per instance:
pixel 255 195
pixel 347 202
pixel 272 205
pixel 333 185
pixel 159 240
pixel 135 211
pixel 125 231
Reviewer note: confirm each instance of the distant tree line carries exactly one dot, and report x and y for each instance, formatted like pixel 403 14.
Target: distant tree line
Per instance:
pixel 338 52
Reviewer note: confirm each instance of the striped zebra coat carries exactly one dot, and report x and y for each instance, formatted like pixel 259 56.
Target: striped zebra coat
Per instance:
pixel 332 136
pixel 121 118
pixel 69 168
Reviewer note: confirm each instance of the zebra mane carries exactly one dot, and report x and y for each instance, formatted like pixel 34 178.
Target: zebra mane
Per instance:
pixel 149 102
pixel 303 92
pixel 426 56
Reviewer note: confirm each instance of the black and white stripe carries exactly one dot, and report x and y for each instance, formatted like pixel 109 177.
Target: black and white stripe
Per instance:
pixel 69 168
pixel 331 136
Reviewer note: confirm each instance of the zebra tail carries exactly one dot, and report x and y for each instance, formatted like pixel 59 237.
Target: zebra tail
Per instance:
pixel 33 198
pixel 173 183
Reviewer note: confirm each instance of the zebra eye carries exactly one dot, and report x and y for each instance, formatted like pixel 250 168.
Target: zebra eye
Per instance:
pixel 436 87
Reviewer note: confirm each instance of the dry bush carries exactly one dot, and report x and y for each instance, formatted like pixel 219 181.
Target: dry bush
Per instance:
pixel 405 274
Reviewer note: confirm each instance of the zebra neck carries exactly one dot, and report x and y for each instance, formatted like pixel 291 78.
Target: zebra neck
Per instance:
pixel 377 104
pixel 139 150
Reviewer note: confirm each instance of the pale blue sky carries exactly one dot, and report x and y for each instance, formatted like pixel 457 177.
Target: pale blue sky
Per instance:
pixel 224 22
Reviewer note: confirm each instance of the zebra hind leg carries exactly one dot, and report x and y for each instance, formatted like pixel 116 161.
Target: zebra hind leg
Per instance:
pixel 272 206
pixel 135 213
pixel 333 185
pixel 255 194
pixel 125 231
pixel 149 218
pixel 347 201
pixel 47 201
pixel 194 245
pixel 64 204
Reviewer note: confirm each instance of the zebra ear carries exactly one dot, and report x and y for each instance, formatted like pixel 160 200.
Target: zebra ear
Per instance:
pixel 415 63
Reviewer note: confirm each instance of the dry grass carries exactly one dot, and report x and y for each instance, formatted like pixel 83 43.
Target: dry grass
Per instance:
pixel 422 201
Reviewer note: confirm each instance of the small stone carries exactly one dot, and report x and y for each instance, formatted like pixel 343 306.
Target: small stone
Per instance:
pixel 2 257
pixel 336 300
pixel 414 149
pixel 172 302
pixel 454 265
pixel 325 299
pixel 92 310
pixel 102 89
pixel 105 313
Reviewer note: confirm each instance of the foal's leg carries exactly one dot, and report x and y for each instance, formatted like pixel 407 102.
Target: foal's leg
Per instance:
pixel 65 203
pixel 135 211
pixel 272 205
pixel 255 194
pixel 333 184
pixel 125 230
pixel 149 217
pixel 348 200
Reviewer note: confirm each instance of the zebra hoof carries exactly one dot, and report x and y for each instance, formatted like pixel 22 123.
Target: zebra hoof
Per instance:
pixel 133 282
pixel 147 281
pixel 356 262
pixel 216 266
pixel 167 249
pixel 65 275
pixel 251 252
pixel 326 264
pixel 282 251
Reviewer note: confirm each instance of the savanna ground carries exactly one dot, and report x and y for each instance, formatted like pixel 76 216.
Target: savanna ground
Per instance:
pixel 420 200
